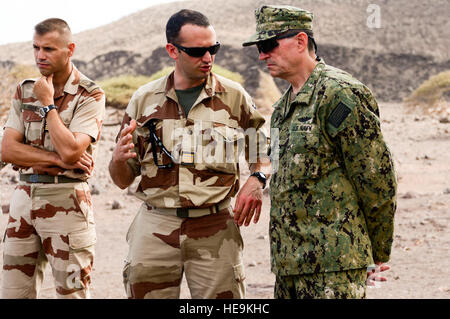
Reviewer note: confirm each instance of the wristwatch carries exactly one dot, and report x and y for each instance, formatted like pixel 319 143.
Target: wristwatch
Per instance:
pixel 261 177
pixel 43 111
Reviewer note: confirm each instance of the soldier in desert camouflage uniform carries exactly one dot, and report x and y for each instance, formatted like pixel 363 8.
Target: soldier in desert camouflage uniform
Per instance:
pixel 175 134
pixel 51 134
pixel 334 195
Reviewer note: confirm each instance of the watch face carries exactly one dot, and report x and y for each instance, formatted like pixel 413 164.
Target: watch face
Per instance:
pixel 42 112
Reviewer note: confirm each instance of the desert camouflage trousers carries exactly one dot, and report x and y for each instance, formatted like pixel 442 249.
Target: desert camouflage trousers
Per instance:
pixel 349 284
pixel 49 223
pixel 207 249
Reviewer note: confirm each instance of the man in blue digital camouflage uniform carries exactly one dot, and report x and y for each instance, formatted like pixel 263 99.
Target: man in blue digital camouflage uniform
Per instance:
pixel 332 214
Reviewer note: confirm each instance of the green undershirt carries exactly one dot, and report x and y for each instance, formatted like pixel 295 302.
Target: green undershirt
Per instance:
pixel 187 97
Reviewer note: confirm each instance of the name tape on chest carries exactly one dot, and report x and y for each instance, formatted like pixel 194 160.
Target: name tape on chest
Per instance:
pixel 302 127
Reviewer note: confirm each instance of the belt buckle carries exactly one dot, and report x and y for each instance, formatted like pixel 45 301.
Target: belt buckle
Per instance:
pixel 183 212
pixel 34 178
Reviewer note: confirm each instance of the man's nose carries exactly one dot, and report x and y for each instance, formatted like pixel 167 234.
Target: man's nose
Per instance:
pixel 207 57
pixel 40 54
pixel 263 56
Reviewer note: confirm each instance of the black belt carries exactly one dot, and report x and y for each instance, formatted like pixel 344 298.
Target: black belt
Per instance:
pixel 193 212
pixel 47 179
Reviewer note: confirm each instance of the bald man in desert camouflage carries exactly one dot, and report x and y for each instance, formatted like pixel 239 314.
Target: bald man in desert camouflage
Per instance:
pixel 175 133
pixel 51 136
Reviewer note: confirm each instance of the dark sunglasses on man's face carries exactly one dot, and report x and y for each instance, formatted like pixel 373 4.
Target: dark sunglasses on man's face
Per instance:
pixel 268 45
pixel 198 52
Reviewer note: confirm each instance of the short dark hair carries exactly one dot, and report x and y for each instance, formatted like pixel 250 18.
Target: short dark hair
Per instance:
pixel 50 25
pixel 182 17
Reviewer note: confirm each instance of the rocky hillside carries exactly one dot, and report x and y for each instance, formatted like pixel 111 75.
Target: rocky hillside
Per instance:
pixel 411 44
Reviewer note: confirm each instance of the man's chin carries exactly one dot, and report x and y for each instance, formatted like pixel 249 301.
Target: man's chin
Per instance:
pixel 45 72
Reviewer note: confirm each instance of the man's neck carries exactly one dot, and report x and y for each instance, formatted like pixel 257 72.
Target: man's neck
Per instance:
pixel 60 78
pixel 301 76
pixel 182 82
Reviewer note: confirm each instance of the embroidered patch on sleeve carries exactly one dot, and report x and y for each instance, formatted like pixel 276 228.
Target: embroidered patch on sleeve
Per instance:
pixel 339 114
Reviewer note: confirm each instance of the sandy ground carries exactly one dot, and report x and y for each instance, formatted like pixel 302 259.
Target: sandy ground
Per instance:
pixel 420 257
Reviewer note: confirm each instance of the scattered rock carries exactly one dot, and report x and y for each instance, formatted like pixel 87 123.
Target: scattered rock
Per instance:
pixel 251 264
pixel 94 190
pixel 444 120
pixel 444 289
pixel 447 191
pixel 116 205
pixel 396 278
pixel 409 195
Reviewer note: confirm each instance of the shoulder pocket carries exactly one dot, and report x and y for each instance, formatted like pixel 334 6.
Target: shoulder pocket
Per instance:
pixel 34 127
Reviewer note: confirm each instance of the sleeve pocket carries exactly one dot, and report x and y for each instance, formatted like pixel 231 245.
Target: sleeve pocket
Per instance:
pixel 82 239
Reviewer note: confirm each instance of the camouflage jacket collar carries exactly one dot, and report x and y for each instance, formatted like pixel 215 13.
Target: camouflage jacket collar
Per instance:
pixel 307 90
pixel 212 87
pixel 71 86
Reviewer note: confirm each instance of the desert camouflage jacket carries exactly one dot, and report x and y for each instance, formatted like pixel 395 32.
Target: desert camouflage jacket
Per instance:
pixel 200 166
pixel 333 195
pixel 81 107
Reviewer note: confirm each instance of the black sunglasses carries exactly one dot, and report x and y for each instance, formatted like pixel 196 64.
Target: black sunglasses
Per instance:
pixel 198 52
pixel 268 45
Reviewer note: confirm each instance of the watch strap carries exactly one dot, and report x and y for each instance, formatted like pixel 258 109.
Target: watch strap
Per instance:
pixel 46 109
pixel 261 177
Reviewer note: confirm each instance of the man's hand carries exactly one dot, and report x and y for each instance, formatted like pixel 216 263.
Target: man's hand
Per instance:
pixel 122 151
pixel 373 275
pixel 121 173
pixel 44 90
pixel 248 202
pixel 85 163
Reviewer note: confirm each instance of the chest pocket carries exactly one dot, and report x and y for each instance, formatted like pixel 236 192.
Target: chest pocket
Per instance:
pixel 305 151
pixel 221 152
pixel 34 127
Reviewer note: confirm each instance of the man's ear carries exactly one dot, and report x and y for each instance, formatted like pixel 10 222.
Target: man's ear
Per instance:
pixel 172 51
pixel 302 41
pixel 71 47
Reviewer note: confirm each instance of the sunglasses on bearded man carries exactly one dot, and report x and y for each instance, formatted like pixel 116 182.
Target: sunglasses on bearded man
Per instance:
pixel 268 45
pixel 198 52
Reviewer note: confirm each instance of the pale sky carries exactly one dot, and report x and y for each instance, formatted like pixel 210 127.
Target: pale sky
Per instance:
pixel 18 17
